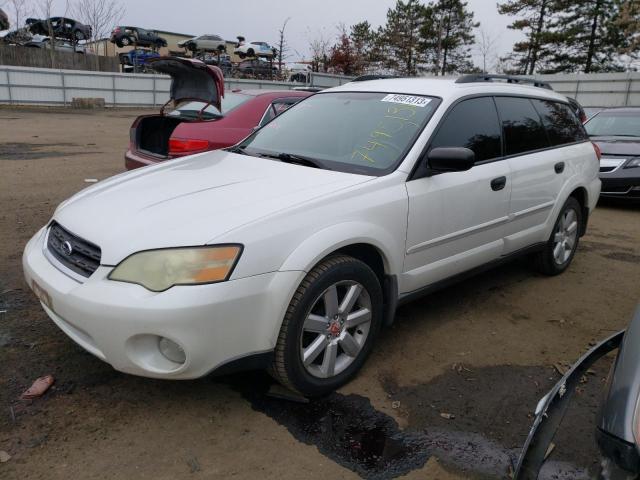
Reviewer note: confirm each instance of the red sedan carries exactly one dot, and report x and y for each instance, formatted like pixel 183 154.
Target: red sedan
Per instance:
pixel 197 125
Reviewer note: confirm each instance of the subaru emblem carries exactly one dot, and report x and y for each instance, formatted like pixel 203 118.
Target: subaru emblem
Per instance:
pixel 67 248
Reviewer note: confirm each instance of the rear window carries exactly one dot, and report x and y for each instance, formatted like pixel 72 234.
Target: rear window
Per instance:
pixel 229 102
pixel 560 121
pixel 521 125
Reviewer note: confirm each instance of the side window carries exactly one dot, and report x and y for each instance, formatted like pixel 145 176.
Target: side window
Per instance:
pixel 521 125
pixel 561 123
pixel 277 107
pixel 472 124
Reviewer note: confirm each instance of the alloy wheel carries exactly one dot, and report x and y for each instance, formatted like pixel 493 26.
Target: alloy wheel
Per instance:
pixel 565 236
pixel 335 329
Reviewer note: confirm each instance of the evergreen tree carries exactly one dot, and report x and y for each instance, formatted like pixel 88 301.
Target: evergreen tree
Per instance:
pixel 400 37
pixel 533 19
pixel 587 38
pixel 447 36
pixel 364 41
pixel 629 22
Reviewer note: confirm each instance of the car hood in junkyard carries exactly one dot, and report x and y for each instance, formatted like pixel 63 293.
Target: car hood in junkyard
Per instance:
pixel 191 79
pixel 191 201
pixel 618 145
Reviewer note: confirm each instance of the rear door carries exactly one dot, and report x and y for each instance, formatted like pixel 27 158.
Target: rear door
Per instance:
pixel 538 170
pixel 457 219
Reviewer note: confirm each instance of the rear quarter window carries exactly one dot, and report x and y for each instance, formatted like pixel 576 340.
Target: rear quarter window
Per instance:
pixel 560 122
pixel 521 125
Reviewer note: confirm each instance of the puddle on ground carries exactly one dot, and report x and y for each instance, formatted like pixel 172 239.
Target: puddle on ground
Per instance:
pixel 350 431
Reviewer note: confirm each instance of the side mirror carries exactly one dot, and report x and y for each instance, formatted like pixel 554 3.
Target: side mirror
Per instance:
pixel 451 159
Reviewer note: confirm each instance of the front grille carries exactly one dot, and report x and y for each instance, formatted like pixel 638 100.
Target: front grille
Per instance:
pixel 607 169
pixel 84 257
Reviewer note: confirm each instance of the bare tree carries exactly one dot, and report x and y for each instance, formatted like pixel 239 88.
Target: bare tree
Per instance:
pixel 486 47
pixel 19 10
pixel 319 45
pixel 44 10
pixel 283 47
pixel 102 15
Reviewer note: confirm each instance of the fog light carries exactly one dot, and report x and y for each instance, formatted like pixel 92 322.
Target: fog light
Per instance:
pixel 171 350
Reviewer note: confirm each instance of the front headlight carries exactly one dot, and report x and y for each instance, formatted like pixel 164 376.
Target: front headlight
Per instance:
pixel 633 163
pixel 158 270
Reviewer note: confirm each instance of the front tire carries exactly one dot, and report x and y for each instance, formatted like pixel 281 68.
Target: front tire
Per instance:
pixel 125 41
pixel 561 247
pixel 329 328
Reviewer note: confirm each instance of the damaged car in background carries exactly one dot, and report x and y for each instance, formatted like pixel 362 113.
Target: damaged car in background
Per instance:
pixel 617 424
pixel 203 117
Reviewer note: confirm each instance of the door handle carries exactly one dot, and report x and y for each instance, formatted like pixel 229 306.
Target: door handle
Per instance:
pixel 498 183
pixel 559 167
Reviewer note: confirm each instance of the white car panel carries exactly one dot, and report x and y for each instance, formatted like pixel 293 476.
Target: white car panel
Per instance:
pixel 456 222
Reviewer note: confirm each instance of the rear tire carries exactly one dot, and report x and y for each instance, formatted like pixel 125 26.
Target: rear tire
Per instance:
pixel 125 41
pixel 561 247
pixel 329 328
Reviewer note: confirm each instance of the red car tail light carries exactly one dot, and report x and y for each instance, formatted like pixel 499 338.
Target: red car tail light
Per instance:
pixel 186 146
pixel 598 151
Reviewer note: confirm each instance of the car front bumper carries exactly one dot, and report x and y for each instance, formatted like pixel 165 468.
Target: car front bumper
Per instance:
pixel 621 183
pixel 122 323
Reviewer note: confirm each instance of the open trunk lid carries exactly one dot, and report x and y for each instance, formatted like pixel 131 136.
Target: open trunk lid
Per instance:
pixel 191 80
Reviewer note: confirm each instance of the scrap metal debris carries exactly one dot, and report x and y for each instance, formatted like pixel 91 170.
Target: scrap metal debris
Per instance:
pixel 4 456
pixel 38 387
pixel 448 416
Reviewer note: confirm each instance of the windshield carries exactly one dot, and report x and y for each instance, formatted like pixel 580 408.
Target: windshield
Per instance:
pixel 191 109
pixel 358 132
pixel 612 123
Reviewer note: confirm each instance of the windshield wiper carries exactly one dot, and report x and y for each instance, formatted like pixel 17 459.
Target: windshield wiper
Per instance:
pixel 237 149
pixel 295 159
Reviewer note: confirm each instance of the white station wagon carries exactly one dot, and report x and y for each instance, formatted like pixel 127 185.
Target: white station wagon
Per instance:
pixel 291 250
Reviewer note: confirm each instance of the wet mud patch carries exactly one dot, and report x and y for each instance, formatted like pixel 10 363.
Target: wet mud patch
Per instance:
pixel 498 403
pixel 35 151
pixel 623 257
pixel 488 416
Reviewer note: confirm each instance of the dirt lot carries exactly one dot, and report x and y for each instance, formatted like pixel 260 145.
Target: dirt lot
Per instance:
pixel 482 351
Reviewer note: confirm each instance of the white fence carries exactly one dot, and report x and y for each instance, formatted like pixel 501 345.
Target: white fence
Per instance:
pixel 42 86
pixel 598 89
pixel 23 85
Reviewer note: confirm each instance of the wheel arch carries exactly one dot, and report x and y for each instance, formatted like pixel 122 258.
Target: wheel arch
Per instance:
pixel 582 196
pixel 374 247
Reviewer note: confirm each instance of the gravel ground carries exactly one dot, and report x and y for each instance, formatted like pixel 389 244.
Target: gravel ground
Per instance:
pixel 481 352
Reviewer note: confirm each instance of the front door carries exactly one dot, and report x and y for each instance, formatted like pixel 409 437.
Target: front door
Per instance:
pixel 457 220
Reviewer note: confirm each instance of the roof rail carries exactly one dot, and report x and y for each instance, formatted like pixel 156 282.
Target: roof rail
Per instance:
pixel 482 77
pixel 364 78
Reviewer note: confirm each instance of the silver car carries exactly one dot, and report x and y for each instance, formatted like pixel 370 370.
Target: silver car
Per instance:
pixel 205 43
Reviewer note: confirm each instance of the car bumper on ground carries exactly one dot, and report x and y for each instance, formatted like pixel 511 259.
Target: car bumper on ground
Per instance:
pixel 123 324
pixel 621 183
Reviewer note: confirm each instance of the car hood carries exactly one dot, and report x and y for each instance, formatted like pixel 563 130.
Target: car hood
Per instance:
pixel 191 79
pixel 191 201
pixel 618 145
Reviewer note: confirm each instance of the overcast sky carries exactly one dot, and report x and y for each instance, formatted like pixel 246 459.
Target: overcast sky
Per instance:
pixel 261 19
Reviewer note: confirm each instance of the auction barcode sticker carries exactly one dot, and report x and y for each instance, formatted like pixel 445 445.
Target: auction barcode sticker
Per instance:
pixel 406 100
